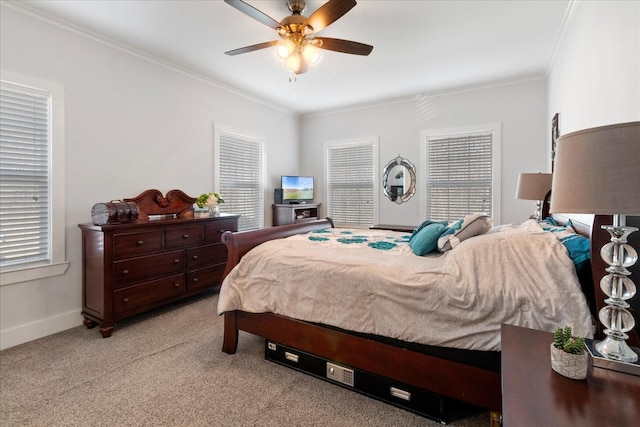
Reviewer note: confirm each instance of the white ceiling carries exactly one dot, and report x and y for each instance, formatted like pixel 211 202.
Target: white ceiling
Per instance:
pixel 419 46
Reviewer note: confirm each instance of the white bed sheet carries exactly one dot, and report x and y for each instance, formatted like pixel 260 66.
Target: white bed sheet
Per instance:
pixel 519 275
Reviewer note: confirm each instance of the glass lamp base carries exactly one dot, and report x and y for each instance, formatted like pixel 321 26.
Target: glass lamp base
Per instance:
pixel 616 350
pixel 600 361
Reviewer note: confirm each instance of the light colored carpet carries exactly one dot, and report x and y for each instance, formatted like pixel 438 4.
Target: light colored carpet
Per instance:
pixel 166 368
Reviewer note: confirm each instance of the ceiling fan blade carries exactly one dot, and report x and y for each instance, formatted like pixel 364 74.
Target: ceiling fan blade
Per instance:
pixel 251 48
pixel 256 14
pixel 328 13
pixel 345 46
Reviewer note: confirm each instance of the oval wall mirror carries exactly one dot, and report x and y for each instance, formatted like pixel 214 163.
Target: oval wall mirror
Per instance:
pixel 399 180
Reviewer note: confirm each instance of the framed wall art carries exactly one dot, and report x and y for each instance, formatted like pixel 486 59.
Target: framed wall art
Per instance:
pixel 555 133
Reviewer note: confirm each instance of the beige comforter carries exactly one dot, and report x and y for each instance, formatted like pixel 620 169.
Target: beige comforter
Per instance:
pixel 370 281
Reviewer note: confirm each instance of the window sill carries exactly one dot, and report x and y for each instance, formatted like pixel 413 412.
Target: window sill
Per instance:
pixel 26 274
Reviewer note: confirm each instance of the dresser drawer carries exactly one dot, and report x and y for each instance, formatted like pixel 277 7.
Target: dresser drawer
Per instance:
pixel 205 255
pixel 138 269
pixel 205 277
pixel 214 230
pixel 135 244
pixel 185 236
pixel 138 296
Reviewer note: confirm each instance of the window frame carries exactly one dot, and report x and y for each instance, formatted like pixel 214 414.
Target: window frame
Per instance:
pixel 496 130
pixel 247 137
pixel 369 140
pixel 57 264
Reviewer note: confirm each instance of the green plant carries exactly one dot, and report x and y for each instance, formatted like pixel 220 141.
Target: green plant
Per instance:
pixel 201 201
pixel 563 340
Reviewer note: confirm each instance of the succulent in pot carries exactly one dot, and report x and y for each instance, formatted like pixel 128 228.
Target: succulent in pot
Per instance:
pixel 568 355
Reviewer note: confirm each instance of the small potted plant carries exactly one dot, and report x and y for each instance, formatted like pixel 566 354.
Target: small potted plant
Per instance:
pixel 568 355
pixel 210 200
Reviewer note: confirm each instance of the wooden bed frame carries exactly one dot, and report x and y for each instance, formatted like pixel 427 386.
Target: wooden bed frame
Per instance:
pixel 477 386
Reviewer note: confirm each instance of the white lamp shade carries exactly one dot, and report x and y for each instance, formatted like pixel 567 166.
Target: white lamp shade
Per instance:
pixel 597 171
pixel 533 186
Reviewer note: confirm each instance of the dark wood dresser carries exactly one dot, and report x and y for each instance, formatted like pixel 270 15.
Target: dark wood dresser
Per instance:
pixel 131 268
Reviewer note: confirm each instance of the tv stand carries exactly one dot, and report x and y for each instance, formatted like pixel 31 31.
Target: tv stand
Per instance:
pixel 292 213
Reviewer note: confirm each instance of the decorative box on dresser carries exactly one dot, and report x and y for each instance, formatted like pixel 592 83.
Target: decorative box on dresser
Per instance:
pixel 130 268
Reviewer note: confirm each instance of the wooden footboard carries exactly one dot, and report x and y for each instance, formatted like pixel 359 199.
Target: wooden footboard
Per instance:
pixel 463 382
pixel 240 243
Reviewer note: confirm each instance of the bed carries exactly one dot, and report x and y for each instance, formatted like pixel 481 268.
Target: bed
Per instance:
pixel 449 367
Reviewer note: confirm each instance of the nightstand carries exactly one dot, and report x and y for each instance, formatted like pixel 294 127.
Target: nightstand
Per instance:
pixel 534 395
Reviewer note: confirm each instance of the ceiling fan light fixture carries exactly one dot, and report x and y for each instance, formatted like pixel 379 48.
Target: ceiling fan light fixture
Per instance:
pixel 310 53
pixel 293 62
pixel 285 48
pixel 298 47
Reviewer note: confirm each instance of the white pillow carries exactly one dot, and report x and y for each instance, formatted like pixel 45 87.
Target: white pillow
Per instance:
pixel 471 225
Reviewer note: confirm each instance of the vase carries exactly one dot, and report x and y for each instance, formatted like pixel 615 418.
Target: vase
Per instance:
pixel 214 210
pixel 572 366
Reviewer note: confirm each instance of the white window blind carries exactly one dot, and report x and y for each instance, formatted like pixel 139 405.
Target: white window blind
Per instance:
pixel 459 175
pixel 25 116
pixel 350 184
pixel 240 166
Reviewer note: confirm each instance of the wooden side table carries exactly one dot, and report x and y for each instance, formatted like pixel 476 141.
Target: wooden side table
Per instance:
pixel 534 395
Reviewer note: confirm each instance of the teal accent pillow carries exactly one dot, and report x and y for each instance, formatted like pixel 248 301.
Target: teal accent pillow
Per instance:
pixel 578 247
pixel 426 240
pixel 423 225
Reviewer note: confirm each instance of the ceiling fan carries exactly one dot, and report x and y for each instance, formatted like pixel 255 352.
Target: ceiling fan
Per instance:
pixel 298 46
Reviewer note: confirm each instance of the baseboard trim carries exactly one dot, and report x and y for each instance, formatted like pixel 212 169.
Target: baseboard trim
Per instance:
pixel 39 329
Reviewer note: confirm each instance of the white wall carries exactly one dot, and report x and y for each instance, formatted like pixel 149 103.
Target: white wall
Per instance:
pixel 595 77
pixel 520 108
pixel 131 124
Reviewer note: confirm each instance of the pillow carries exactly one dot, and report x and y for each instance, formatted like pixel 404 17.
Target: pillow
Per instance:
pixel 578 247
pixel 423 225
pixel 471 225
pixel 426 239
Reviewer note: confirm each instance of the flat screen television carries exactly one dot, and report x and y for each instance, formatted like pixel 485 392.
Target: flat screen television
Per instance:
pixel 296 189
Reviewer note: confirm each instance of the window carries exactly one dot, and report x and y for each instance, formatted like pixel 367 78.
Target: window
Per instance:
pixel 461 173
pixel 31 173
pixel 239 174
pixel 351 177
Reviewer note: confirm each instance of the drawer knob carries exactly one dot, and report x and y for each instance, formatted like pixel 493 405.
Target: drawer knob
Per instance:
pixel 176 285
pixel 195 279
pixel 125 300
pixel 186 236
pixel 140 242
pixel 194 257
pixel 125 271
pixel 176 261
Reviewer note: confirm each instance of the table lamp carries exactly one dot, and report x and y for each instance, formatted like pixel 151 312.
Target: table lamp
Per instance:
pixel 534 186
pixel 597 171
